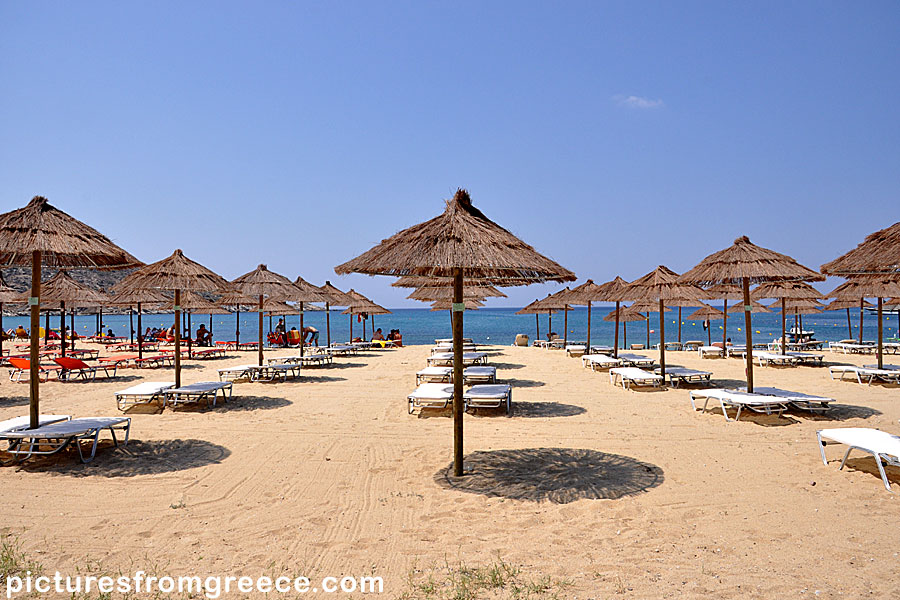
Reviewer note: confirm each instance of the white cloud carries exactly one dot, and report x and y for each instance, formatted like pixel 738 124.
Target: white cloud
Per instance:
pixel 637 102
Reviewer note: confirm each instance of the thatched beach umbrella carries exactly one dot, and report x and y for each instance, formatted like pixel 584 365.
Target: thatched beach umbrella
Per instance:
pixel 193 303
pixel 471 304
pixel 62 289
pixel 535 309
pixel 649 306
pixel 8 295
pixel 40 235
pixel 175 273
pixel 431 294
pixel 462 243
pixel 304 292
pixel 847 304
pixel 554 303
pixel 260 283
pixel 586 294
pixel 785 291
pixel 662 285
pixel 625 315
pixel 615 291
pixel 708 314
pixel 236 302
pixel 139 298
pixel 364 307
pixel 723 292
pixel 744 262
pixel 859 287
pixel 755 307
pixel 333 297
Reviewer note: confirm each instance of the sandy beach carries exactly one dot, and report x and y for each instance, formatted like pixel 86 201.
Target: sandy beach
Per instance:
pixel 587 491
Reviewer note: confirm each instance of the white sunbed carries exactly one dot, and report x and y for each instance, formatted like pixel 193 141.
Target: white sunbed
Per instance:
pixel 343 349
pixel 636 360
pixel 674 346
pixel 807 357
pixel 707 351
pixel 884 367
pixel 434 375
pixel 629 376
pixel 479 373
pixel 24 422
pixel 236 372
pixel 324 358
pixel 430 395
pixel 445 374
pixel 766 358
pixel 602 350
pixel 444 348
pixel 678 375
pixel 797 399
pixel 496 395
pixel 739 401
pixel 55 437
pixel 142 393
pixel 195 392
pixel 280 371
pixel 851 347
pixel 884 447
pixel 599 361
pixel 692 345
pixel 576 350
pixel 867 373
pixel 446 358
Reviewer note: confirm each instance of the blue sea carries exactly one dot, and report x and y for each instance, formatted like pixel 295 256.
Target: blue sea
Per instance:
pixel 500 325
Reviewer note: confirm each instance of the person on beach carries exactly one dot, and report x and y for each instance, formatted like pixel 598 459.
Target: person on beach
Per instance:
pixel 21 332
pixel 377 336
pixel 204 337
pixel 313 335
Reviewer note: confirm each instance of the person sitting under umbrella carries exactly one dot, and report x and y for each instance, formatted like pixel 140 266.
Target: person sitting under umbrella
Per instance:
pixel 204 337
pixel 313 335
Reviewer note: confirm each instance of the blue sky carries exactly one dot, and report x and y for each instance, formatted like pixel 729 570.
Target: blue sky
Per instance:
pixel 613 137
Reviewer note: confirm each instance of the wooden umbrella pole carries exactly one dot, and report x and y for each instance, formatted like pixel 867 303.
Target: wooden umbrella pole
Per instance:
pixel 177 338
pixel 458 307
pixel 587 350
pixel 210 325
pixel 783 332
pixel 709 334
pixel 849 325
pixel 302 335
pixel 140 334
pixel 260 352
pixel 190 336
pixel 327 324
pixel 745 283
pixel 880 335
pixel 647 320
pixel 365 318
pixel 565 325
pixel 624 333
pixel 62 328
pixel 2 332
pixel 131 322
pixel 862 301
pixel 616 343
pixel 679 324
pixel 35 307
pixel 662 340
pixel 72 327
pixel 537 326
pixel 47 327
pixel 724 328
pixel 351 325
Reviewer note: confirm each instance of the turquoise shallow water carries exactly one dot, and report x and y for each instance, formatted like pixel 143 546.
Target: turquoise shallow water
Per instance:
pixel 500 325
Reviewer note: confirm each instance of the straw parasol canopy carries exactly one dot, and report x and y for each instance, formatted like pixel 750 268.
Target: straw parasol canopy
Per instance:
pixel 707 313
pixel 662 285
pixel 847 303
pixel 800 306
pixel 132 297
pixel 586 294
pixel 307 292
pixel 757 308
pixel 745 263
pixel 418 282
pixel 336 297
pixel 174 273
pixel 787 293
pixel 878 253
pixel 62 288
pixel 261 283
pixel 42 235
pixel 430 294
pixel 8 294
pixel 461 243
pixel 195 303
pixel 624 315
pixel 535 309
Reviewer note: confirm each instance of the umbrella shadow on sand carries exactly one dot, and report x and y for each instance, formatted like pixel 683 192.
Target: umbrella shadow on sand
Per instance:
pixel 14 401
pixel 558 475
pixel 139 457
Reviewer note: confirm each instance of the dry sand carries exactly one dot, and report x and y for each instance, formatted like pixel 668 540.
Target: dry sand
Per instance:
pixel 615 493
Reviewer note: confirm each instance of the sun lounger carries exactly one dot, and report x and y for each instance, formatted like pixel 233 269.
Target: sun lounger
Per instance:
pixel 196 392
pixel 708 351
pixel 75 368
pixel 306 360
pixel 343 349
pixel 495 395
pixel 884 447
pixel 441 348
pixel 739 401
pixel 575 350
pixel 83 354
pixel 479 373
pixel 865 373
pixel 430 395
pixel 884 367
pixel 807 358
pixel 602 350
pixel 678 375
pixel 630 376
pixel 24 422
pixel 692 345
pixel 55 437
pixel 142 393
pixel 446 358
pixel 208 353
pixel 851 347
pixel 158 360
pixel 22 366
pixel 797 399
pixel 736 351
pixel 120 360
pixel 236 372
pixel 272 372
pixel 599 361
pixel 450 340
pixel 636 360
pixel 766 358
pixel 434 375
pixel 674 346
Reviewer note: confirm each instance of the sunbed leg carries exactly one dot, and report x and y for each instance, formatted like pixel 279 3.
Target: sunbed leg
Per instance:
pixel 821 447
pixel 846 454
pixel 884 478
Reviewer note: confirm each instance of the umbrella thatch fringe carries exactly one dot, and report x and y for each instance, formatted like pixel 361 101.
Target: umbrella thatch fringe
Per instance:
pixel 175 272
pixel 878 253
pixel 785 289
pixel 461 237
pixel 744 259
pixel 63 288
